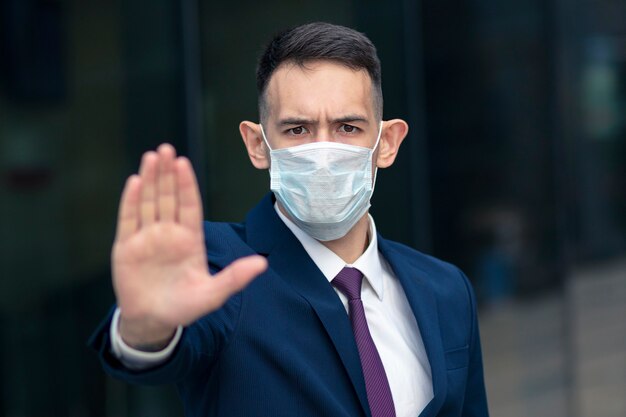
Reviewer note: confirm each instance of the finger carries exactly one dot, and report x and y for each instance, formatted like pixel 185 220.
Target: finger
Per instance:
pixel 128 214
pixel 233 278
pixel 166 192
pixel 189 202
pixel 148 173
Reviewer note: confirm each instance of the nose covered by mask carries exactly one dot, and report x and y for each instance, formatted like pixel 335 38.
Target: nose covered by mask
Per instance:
pixel 325 187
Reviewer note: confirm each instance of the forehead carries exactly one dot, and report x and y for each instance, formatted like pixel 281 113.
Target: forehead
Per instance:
pixel 319 88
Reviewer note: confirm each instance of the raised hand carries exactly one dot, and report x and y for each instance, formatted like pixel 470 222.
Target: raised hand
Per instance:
pixel 160 272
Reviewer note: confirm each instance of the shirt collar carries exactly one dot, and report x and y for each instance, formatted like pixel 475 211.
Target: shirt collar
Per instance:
pixel 369 263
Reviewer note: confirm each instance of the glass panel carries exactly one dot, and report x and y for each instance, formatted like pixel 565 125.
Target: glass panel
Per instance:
pixel 85 88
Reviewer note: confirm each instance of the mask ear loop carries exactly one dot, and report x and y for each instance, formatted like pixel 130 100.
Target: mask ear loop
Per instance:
pixel 380 130
pixel 271 171
pixel 265 139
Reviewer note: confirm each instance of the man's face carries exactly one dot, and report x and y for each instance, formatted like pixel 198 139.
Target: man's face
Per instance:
pixel 323 101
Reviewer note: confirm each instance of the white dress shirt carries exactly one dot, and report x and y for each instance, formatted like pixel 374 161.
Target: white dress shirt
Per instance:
pixel 389 317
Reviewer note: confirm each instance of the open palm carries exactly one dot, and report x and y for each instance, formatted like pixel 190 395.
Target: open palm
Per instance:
pixel 160 270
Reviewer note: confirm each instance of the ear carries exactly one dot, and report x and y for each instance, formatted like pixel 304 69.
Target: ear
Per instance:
pixel 393 133
pixel 255 145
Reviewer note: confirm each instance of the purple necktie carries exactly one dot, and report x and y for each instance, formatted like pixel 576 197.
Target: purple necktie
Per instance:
pixel 348 281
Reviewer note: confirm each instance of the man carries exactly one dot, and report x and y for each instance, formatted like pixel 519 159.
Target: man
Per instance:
pixel 339 321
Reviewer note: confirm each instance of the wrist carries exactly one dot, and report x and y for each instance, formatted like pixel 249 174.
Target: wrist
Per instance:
pixel 145 334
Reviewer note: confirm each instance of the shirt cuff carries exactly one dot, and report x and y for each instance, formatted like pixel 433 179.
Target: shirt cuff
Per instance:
pixel 134 359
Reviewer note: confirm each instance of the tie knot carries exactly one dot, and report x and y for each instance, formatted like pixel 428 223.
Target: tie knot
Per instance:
pixel 348 281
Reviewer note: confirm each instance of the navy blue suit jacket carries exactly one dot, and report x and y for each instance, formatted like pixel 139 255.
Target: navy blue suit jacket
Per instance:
pixel 284 346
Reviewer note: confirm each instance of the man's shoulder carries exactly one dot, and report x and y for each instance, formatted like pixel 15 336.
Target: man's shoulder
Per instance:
pixel 419 259
pixel 224 230
pixel 442 276
pixel 225 241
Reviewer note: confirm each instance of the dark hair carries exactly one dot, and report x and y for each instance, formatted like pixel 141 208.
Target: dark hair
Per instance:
pixel 319 41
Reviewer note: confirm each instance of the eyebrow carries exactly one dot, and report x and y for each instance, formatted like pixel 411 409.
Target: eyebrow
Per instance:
pixel 295 121
pixel 350 118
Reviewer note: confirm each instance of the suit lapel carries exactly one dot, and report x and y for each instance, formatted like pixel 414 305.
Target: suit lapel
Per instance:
pixel 268 235
pixel 424 306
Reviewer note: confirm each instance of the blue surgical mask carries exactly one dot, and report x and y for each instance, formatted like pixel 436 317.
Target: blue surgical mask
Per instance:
pixel 325 187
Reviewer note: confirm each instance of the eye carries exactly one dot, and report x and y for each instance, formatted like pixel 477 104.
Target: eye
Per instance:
pixel 349 129
pixel 297 131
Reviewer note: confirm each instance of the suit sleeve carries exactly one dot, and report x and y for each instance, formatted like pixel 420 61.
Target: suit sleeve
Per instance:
pixel 199 345
pixel 475 402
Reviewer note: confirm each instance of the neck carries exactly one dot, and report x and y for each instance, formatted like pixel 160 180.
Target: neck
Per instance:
pixel 350 247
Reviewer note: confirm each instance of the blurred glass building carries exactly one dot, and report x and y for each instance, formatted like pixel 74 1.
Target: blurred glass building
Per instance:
pixel 514 169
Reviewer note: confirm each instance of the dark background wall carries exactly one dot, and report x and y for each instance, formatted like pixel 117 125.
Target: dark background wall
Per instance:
pixel 513 169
